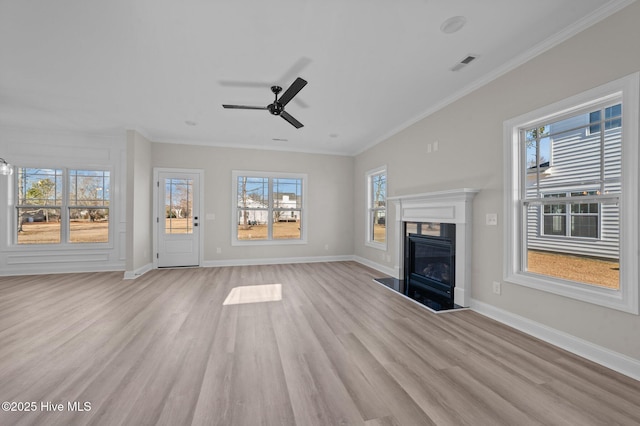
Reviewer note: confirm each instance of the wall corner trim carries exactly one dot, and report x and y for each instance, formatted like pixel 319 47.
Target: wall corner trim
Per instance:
pixel 394 271
pixel 132 275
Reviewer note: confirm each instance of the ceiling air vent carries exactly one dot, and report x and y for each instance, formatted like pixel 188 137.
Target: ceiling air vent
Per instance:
pixel 463 63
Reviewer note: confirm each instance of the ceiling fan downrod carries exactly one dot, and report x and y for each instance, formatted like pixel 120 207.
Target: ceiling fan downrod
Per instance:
pixel 276 107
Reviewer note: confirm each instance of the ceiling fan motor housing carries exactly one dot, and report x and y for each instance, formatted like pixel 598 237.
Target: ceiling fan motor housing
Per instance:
pixel 275 108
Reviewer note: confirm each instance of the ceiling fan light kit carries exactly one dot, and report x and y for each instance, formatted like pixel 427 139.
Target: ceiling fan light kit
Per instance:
pixel 5 168
pixel 277 107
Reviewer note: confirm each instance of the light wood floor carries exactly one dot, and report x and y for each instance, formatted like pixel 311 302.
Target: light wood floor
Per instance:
pixel 337 349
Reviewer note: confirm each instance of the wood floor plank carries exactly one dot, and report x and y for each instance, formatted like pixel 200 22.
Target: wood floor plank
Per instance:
pixel 336 349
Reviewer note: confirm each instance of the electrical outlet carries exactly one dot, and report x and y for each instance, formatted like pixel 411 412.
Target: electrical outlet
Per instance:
pixel 218 250
pixel 497 287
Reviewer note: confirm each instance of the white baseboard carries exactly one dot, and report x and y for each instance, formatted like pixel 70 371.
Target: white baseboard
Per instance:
pixel 393 272
pixel 132 275
pixel 616 361
pixel 275 261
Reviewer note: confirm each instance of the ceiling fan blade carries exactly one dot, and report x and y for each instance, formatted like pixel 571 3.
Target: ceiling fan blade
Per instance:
pixel 295 69
pixel 293 90
pixel 242 107
pixel 295 123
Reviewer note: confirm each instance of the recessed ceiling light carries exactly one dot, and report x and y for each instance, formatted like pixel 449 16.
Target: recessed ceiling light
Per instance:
pixel 453 24
pixel 190 123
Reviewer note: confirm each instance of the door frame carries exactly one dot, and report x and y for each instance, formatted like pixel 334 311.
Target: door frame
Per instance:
pixel 156 212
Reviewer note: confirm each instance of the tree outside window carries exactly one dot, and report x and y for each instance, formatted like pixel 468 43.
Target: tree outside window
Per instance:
pixel 44 216
pixel 377 207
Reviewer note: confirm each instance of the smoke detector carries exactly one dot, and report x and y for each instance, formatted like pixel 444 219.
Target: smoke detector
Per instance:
pixel 453 24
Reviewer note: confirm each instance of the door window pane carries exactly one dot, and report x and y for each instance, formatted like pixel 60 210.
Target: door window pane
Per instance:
pixel 178 206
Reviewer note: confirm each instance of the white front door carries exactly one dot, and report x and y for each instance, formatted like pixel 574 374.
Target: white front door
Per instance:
pixel 178 219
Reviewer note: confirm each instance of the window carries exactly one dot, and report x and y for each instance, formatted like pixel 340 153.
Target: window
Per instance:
pixel 612 116
pixel 62 206
pixel 377 208
pixel 269 208
pixel 571 174
pixel 573 219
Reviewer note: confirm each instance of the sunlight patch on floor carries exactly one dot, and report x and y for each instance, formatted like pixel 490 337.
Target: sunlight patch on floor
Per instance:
pixel 254 294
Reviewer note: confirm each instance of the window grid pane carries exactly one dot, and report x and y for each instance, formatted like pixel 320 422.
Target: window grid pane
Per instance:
pixel 377 207
pixel 38 225
pixel 584 176
pixel 178 206
pixel 39 187
pixel 287 193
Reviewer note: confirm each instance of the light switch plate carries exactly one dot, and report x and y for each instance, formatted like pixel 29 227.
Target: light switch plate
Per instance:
pixel 492 219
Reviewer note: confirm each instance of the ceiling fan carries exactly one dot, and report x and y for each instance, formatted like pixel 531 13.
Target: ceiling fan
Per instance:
pixel 277 107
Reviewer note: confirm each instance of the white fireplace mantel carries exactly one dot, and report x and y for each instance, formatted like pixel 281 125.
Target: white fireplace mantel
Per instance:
pixel 452 206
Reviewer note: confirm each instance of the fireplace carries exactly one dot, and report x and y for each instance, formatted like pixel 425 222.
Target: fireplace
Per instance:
pixel 444 218
pixel 429 264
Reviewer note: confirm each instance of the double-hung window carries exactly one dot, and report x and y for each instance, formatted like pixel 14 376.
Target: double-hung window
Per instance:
pixel 571 199
pixel 268 208
pixel 59 206
pixel 377 208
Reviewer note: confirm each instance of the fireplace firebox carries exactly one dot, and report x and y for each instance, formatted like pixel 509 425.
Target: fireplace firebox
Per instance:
pixel 430 262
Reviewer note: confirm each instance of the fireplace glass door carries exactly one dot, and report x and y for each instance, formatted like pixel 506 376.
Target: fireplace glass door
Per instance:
pixel 430 261
pixel 433 260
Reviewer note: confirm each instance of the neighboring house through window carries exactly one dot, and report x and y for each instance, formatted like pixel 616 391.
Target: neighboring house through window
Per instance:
pixel 269 208
pixel 571 219
pixel 377 207
pixel 571 197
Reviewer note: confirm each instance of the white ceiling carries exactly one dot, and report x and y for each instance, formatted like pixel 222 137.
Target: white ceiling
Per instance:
pixel 373 66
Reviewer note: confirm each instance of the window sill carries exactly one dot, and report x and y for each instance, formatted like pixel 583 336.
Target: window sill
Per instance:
pixel 606 297
pixel 267 242
pixel 59 246
pixel 376 245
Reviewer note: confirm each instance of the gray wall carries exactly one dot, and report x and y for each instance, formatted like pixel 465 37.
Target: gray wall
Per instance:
pixel 330 198
pixel 469 132
pixel 139 196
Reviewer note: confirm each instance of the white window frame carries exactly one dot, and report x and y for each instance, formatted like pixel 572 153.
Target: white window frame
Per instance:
pixel 368 208
pixel 65 208
pixel 270 175
pixel 626 298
